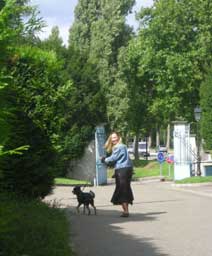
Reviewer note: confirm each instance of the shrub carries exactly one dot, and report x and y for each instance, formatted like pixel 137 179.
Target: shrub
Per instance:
pixel 206 105
pixel 30 174
pixel 32 228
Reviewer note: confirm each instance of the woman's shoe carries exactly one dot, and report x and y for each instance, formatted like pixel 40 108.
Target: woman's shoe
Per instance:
pixel 124 214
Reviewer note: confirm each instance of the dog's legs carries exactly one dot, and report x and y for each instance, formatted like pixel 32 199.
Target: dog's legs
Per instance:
pixel 92 204
pixel 94 210
pixel 89 212
pixel 83 209
pixel 78 206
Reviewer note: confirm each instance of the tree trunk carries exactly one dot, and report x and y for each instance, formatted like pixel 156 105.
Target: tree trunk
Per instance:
pixel 157 137
pixel 168 138
pixel 150 141
pixel 135 144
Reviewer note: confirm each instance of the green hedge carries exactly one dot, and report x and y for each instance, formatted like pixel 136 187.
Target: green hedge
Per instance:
pixel 31 174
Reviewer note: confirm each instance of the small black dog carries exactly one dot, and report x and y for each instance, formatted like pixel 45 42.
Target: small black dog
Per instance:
pixel 85 199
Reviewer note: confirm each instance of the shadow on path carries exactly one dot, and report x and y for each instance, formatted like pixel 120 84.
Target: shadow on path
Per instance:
pixel 141 203
pixel 108 234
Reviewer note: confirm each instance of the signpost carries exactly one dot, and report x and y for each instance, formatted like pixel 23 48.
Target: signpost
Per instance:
pixel 170 160
pixel 161 159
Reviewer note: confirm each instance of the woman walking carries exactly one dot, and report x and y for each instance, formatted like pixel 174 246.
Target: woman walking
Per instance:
pixel 123 172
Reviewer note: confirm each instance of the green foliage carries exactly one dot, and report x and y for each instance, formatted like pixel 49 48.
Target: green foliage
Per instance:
pixel 160 70
pixel 206 106
pixel 37 79
pixel 167 56
pixel 54 43
pixel 32 228
pixel 13 28
pixel 97 34
pixel 30 174
pixel 8 30
pixel 66 110
pixel 17 151
pixel 138 91
pixel 3 109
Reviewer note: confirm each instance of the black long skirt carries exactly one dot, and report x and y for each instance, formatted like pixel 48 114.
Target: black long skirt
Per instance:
pixel 123 192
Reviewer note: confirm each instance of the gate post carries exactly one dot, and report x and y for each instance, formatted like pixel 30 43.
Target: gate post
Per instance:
pixel 182 154
pixel 101 170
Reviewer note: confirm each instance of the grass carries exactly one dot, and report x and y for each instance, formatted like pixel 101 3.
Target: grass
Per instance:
pixel 151 168
pixel 32 228
pixel 144 168
pixel 67 181
pixel 195 179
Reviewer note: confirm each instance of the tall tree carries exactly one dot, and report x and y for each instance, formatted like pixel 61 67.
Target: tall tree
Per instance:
pixel 54 43
pixel 99 31
pixel 161 69
pixel 206 106
pixel 164 64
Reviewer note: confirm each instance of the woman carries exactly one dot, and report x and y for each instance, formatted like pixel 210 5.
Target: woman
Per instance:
pixel 123 171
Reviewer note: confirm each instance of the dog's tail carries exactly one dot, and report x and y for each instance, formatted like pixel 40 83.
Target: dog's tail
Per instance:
pixel 92 194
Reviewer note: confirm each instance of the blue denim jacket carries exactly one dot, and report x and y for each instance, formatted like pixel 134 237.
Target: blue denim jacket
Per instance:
pixel 120 157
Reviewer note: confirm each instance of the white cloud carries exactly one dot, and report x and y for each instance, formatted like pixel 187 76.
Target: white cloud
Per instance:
pixel 61 14
pixel 56 13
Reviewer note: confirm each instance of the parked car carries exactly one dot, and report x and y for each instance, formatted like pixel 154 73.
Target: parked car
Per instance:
pixel 162 148
pixel 143 149
pixel 130 149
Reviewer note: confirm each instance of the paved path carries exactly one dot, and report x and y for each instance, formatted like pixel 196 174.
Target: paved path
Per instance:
pixel 164 221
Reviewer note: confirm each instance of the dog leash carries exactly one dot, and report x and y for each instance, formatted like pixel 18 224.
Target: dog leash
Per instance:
pixel 85 185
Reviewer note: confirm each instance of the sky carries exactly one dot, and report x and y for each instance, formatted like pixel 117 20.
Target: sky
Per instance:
pixel 61 14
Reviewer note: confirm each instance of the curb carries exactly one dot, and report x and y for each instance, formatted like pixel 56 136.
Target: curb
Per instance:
pixel 188 188
pixel 192 184
pixel 198 193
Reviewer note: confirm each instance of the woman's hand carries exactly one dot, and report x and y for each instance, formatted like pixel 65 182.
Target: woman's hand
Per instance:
pixel 102 159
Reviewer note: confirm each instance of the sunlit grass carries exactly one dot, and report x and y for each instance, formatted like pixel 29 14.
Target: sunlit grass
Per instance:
pixel 144 168
pixel 149 168
pixel 67 181
pixel 195 179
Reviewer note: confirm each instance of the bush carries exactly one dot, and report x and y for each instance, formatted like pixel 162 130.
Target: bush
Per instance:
pixel 32 228
pixel 206 105
pixel 31 174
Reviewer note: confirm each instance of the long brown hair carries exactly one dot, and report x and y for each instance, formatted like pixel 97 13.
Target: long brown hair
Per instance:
pixel 109 145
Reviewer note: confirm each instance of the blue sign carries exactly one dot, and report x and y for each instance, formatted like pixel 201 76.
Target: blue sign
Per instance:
pixel 160 157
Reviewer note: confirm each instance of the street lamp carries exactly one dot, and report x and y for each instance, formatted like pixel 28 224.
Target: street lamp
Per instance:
pixel 197 116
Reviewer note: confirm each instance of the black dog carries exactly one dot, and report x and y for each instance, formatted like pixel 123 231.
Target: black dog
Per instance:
pixel 85 199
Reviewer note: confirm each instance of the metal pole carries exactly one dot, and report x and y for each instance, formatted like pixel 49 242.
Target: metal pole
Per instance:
pixel 160 170
pixel 198 151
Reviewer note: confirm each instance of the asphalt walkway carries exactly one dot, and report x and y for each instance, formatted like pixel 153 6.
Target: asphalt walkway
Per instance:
pixel 165 220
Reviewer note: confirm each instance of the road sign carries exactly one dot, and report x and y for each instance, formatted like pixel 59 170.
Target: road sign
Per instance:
pixel 170 159
pixel 160 157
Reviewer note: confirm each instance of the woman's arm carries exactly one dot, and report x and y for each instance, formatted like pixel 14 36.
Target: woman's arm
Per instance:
pixel 114 157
